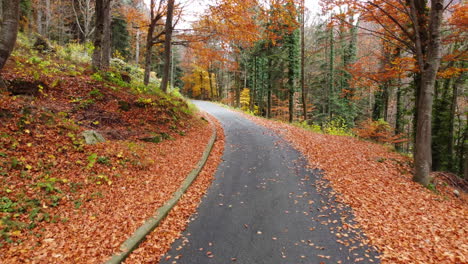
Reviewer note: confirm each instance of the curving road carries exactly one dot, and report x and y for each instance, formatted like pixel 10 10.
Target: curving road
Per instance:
pixel 266 207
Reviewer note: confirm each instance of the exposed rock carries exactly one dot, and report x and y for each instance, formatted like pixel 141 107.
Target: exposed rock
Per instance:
pixel 456 192
pixel 92 137
pixel 43 45
pixel 23 87
pixel 114 134
pixel 5 113
pixel 3 85
pixel 124 106
pixel 155 139
pixel 126 77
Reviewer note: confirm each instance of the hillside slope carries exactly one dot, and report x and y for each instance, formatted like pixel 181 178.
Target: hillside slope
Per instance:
pixel 64 200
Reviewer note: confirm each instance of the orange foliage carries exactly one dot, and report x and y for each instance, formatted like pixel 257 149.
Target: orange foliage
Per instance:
pixel 233 25
pixel 458 23
pixel 379 131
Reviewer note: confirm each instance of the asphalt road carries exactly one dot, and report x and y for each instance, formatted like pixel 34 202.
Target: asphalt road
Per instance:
pixel 265 206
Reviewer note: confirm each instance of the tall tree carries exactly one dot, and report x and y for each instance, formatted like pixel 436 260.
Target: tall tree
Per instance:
pixel 303 87
pixel 422 37
pixel 48 17
pixel 8 28
pixel 102 35
pixel 428 54
pixel 167 45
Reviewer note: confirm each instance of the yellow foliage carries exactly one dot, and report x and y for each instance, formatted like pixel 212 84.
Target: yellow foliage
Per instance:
pixel 201 84
pixel 245 99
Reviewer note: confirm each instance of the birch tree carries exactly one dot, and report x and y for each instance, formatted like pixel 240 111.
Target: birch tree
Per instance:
pixel 84 12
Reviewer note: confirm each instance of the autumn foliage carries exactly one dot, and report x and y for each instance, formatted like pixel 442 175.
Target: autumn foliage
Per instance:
pixel 378 131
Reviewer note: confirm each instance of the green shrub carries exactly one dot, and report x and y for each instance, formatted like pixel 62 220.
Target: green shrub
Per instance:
pixel 337 127
pixel 34 60
pixel 96 93
pixel 23 40
pixel 7 205
pixel 48 185
pixel 97 77
pixel 311 127
pixel 176 93
pixel 103 160
pixel 144 102
pixel 92 159
pixel 118 64
pixel 76 52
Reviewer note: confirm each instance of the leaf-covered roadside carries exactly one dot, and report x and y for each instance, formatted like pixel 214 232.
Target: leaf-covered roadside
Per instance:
pixel 92 219
pixel 405 221
pixel 160 240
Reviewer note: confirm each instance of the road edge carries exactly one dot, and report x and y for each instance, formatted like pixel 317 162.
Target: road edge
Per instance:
pixel 151 223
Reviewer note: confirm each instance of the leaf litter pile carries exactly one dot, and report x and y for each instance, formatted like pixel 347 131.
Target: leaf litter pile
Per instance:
pixel 405 221
pixel 64 201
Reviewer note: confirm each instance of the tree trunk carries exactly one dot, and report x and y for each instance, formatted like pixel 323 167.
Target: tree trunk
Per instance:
pixel 292 72
pixel 8 29
pixel 202 88
pixel 399 114
pixel 102 36
pixel 212 87
pixel 331 78
pixel 106 38
pixel 99 32
pixel 269 84
pixel 137 47
pixel 167 45
pixel 39 19
pixel 451 130
pixel 429 66
pixel 149 44
pixel 269 101
pixel 148 53
pixel 237 87
pixel 463 164
pixel 254 85
pixel 291 105
pixel 48 18
pixel 303 88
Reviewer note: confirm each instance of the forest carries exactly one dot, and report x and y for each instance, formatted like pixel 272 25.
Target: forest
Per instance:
pixel 390 74
pixel 355 67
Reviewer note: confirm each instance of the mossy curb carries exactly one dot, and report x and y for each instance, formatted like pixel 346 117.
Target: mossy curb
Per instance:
pixel 151 223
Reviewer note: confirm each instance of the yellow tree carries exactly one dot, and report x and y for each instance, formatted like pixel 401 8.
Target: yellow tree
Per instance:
pixel 200 84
